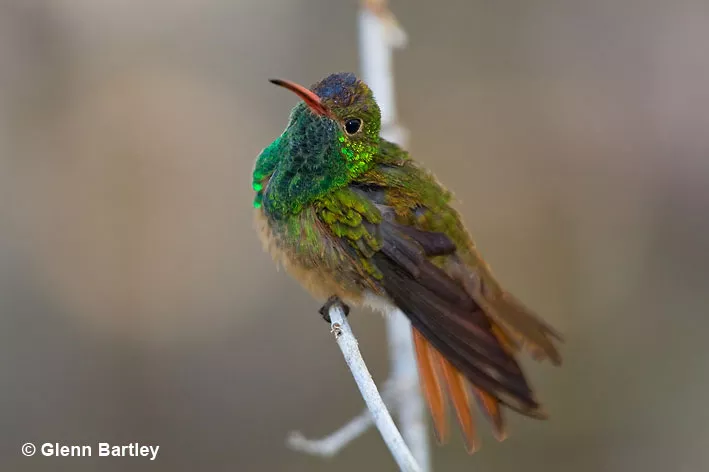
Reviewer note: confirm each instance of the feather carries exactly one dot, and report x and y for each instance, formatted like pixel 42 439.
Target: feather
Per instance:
pixel 431 386
pixel 457 391
pixel 473 351
pixel 510 314
pixel 491 407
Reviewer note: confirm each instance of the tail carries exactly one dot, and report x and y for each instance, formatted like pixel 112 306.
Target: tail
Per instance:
pixel 524 328
pixel 464 342
pixel 434 371
pixel 438 376
pixel 517 324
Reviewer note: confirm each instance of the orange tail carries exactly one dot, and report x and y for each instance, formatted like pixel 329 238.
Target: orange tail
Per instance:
pixel 431 385
pixel 434 372
pixel 432 366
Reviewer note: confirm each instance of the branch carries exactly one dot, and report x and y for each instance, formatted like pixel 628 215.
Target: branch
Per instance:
pixel 392 394
pixel 379 34
pixel 350 350
pixel 404 375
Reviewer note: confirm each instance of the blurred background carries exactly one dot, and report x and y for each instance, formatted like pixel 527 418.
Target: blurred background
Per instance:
pixel 136 304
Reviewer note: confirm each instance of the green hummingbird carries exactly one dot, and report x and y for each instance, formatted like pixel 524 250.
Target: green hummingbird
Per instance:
pixel 356 220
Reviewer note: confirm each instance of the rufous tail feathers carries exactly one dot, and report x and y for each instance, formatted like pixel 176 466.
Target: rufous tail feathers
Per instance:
pixel 435 372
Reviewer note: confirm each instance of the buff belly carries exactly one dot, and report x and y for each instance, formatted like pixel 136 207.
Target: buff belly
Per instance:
pixel 334 275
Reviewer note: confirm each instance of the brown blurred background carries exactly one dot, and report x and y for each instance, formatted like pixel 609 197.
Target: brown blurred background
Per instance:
pixel 135 301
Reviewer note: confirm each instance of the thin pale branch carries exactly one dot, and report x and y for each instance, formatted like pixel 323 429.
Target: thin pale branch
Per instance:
pixel 393 392
pixel 380 33
pixel 350 350
pixel 404 374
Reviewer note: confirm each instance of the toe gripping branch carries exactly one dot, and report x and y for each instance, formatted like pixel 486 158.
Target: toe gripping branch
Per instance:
pixel 332 301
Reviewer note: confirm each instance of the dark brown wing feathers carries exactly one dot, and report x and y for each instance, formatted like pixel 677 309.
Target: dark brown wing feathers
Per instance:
pixel 451 321
pixel 456 342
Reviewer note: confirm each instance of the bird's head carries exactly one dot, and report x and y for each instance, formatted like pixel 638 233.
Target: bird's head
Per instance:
pixel 338 111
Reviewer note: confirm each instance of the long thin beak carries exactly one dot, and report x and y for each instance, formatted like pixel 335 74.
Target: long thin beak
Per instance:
pixel 310 98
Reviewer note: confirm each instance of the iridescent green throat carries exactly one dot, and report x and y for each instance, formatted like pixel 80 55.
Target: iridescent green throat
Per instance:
pixel 313 156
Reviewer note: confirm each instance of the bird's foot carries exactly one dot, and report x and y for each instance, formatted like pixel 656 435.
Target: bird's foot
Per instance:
pixel 332 301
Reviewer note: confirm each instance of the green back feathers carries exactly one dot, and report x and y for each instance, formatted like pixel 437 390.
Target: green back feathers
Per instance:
pixel 416 196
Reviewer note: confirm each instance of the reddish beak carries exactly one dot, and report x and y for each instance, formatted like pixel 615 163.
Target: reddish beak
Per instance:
pixel 310 99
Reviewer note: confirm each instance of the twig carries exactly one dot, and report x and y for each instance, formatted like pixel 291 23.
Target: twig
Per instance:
pixel 379 34
pixel 350 350
pixel 404 374
pixel 392 394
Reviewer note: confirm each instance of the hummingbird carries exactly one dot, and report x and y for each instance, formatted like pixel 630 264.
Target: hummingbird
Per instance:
pixel 357 221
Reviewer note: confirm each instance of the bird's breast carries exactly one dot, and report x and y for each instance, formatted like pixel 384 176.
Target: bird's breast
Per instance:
pixel 311 255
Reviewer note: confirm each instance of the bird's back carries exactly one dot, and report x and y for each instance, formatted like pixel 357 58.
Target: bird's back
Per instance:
pixel 416 197
pixel 466 328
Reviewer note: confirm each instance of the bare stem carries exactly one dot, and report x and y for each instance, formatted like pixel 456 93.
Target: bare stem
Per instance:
pixel 392 393
pixel 350 350
pixel 379 35
pixel 404 374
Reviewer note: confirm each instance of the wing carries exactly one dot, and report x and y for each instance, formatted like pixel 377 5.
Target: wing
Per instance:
pixel 421 257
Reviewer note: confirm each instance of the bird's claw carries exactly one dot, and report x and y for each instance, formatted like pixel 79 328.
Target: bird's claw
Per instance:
pixel 332 301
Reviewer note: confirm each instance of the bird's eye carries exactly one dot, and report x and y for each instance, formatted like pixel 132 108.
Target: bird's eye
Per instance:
pixel 352 125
